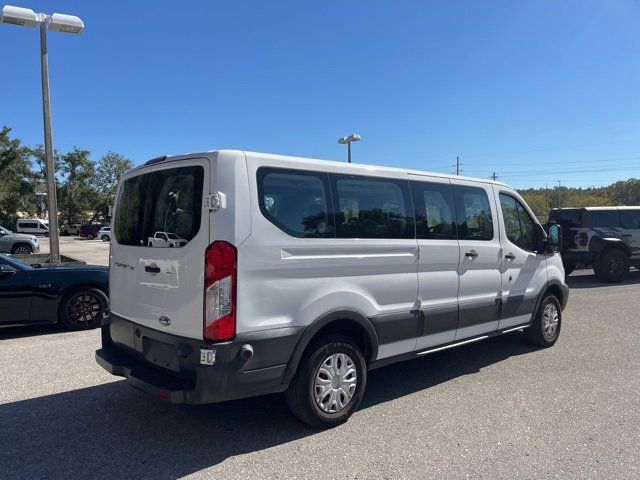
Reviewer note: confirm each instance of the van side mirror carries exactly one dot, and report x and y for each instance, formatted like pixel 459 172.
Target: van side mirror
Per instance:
pixel 554 238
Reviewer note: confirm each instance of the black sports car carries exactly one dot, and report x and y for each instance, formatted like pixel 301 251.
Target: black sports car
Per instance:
pixel 73 294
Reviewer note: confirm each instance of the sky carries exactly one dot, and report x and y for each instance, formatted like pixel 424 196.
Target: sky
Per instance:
pixel 535 91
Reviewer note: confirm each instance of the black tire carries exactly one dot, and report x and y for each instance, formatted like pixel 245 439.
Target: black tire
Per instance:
pixel 90 236
pixel 105 238
pixel 539 333
pixel 301 392
pixel 83 308
pixel 612 266
pixel 46 234
pixel 21 249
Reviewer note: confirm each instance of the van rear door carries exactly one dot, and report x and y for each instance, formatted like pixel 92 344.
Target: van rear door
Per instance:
pixel 160 284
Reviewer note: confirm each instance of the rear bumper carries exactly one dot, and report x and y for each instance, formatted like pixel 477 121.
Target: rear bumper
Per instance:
pixel 169 367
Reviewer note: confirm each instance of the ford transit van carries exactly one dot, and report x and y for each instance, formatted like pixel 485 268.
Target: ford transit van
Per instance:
pixel 299 276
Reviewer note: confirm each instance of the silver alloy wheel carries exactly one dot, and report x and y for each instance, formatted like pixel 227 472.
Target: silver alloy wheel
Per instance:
pixel 550 320
pixel 335 382
pixel 22 250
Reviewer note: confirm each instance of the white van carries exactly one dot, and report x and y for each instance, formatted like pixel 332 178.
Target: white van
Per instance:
pixel 300 275
pixel 34 226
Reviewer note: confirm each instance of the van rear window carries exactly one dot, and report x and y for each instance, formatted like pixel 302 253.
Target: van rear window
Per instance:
pixel 160 209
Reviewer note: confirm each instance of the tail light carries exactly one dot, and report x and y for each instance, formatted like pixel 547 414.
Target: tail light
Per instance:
pixel 220 291
pixel 584 239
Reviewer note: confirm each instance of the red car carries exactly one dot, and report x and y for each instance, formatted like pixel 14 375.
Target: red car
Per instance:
pixel 90 231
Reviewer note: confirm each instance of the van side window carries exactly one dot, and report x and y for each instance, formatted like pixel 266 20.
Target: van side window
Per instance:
pixel 296 201
pixel 630 218
pixel 473 213
pixel 368 207
pixel 519 226
pixel 604 218
pixel 433 206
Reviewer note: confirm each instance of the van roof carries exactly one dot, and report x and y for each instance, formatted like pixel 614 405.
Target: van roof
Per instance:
pixel 320 163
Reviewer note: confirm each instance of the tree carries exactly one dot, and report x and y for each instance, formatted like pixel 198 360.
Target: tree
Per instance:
pixel 16 180
pixel 77 195
pixel 39 172
pixel 108 172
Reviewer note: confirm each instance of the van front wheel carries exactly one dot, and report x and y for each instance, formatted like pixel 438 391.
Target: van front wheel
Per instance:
pixel 545 329
pixel 329 384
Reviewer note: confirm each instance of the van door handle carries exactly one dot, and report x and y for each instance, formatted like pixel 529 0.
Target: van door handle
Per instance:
pixel 471 254
pixel 510 256
pixel 151 269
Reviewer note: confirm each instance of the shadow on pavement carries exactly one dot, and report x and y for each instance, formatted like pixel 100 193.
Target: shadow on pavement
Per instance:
pixel 9 332
pixel 112 429
pixel 586 279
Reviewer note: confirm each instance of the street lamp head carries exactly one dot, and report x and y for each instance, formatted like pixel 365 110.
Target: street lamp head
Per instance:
pixel 351 138
pixel 24 17
pixel 59 22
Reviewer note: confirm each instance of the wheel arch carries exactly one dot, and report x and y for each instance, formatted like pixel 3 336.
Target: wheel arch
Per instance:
pixel 21 244
pixel 71 289
pixel 349 323
pixel 601 244
pixel 557 288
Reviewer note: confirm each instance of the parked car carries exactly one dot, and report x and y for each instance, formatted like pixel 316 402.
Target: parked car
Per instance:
pixel 300 275
pixel 18 243
pixel 34 226
pixel 606 239
pixel 73 294
pixel 90 231
pixel 70 229
pixel 165 239
pixel 105 234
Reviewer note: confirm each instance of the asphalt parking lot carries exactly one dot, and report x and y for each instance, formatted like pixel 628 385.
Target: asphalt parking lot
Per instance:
pixel 495 409
pixel 94 252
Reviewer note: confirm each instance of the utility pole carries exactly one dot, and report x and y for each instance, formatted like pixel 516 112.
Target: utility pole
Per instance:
pixel 458 165
pixel 559 198
pixel 494 176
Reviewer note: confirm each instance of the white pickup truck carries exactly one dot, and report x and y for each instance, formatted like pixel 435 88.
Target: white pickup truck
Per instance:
pixel 165 239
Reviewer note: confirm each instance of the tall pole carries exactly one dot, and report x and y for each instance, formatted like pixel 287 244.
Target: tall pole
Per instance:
pixel 349 152
pixel 54 239
pixel 559 199
pixel 457 165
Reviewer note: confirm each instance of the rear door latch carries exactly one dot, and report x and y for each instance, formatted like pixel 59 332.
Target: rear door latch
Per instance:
pixel 215 201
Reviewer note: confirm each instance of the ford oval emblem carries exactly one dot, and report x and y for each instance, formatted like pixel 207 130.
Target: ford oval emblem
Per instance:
pixel 164 321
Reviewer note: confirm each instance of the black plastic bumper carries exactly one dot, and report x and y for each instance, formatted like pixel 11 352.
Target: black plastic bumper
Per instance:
pixel 168 366
pixel 565 295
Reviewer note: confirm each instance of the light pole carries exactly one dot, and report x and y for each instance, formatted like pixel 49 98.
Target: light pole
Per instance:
pixel 57 22
pixel 351 138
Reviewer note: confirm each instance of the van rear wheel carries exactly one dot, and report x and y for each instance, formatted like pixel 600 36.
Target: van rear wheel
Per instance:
pixel 329 384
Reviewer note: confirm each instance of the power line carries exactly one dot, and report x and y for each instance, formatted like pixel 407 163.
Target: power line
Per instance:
pixel 550 149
